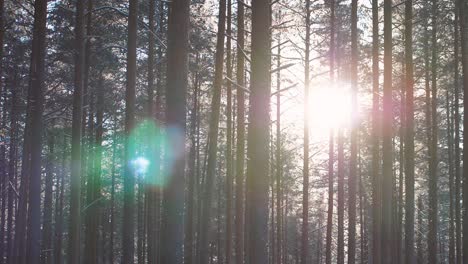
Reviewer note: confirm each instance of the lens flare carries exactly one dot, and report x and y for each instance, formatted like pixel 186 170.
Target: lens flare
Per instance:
pixel 140 165
pixel 151 155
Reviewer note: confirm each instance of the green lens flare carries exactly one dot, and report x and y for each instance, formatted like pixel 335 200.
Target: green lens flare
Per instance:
pixel 150 157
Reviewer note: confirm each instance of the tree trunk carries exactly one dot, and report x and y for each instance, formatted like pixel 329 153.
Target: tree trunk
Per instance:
pixel 419 242
pixel 213 136
pixel 177 71
pixel 189 233
pixel 150 190
pixel 112 198
pixel 3 118
pixel 387 176
pixel 91 238
pixel 376 131
pixel 12 156
pixel 229 172
pixel 75 184
pixel 46 256
pixel 305 184
pixel 340 209
pixel 433 201
pixel 409 136
pixel 331 151
pixel 36 100
pixel 240 145
pixel 94 206
pixel 59 198
pixel 128 223
pixel 464 51
pixel 279 168
pixel 451 228
pixel 258 133
pixel 352 181
pixel 457 118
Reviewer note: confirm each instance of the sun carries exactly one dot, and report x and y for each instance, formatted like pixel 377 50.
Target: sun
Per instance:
pixel 330 108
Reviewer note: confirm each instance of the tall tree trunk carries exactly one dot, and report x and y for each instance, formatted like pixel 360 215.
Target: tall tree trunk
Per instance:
pixel 229 172
pixel 433 201
pixel 150 190
pixel 213 136
pixel 272 241
pixel 376 161
pixel 3 175
pixel 12 156
pixel 279 168
pixel 401 164
pixel 59 198
pixel 75 184
pixel 258 132
pixel 387 170
pixel 112 198
pixel 140 206
pixel 94 206
pixel 363 210
pixel 189 233
pixel 36 100
pixel 128 223
pixel 46 256
pixel 305 184
pixel 340 208
pixel 352 181
pixel 457 118
pixel 451 224
pixel 464 51
pixel 177 71
pixel 91 238
pixel 409 135
pixel 240 145
pixel 419 242
pixel 331 151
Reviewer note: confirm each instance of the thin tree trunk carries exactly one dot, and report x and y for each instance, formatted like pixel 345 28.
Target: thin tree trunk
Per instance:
pixel 150 190
pixel 331 151
pixel 376 161
pixel 352 181
pixel 213 136
pixel 457 133
pixel 279 168
pixel 240 145
pixel 419 242
pixel 433 200
pixel 387 176
pixel 451 179
pixel 140 222
pixel 95 209
pixel 128 223
pixel 3 175
pixel 46 256
pixel 305 184
pixel 229 172
pixel 12 164
pixel 91 238
pixel 409 136
pixel 75 184
pixel 113 183
pixel 59 209
pixel 464 51
pixel 401 165
pixel 189 243
pixel 340 209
